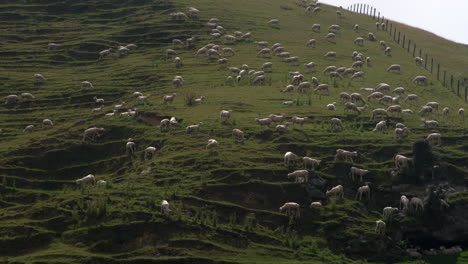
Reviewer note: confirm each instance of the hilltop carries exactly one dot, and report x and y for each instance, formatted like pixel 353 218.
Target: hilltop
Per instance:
pixel 224 203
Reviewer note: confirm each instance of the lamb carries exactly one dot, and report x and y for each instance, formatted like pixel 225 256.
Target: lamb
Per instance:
pixel 420 79
pixel 434 138
pixel 416 203
pixel 404 202
pixel 332 106
pixel 357 97
pixel 27 96
pixel 335 191
pixel 165 207
pixel 425 109
pixel 445 111
pixel 92 133
pixel 299 120
pixel 264 121
pixel 322 87
pixel 336 123
pixel 311 163
pixel 169 98
pixel 288 88
pixel 359 74
pixel 345 155
pixel 363 190
pixel 430 123
pixel 193 128
pixel 104 53
pixel 419 61
pixel 173 122
pixel 359 41
pixel 28 129
pixel 98 100
pixel 330 54
pixel 289 158
pixel 380 227
pixel 150 152
pixel 303 86
pixel 47 122
pixel 401 161
pixel 388 212
pixel 238 134
pixel 178 62
pixel 212 144
pixel 224 115
pixel 358 172
pixel 394 67
pixel 88 179
pixel 311 43
pixel 378 111
pixel 292 209
pixel 316 205
pixel 277 118
pixel 371 36
pixel 387 51
pixel 11 99
pixel 264 52
pixel 300 176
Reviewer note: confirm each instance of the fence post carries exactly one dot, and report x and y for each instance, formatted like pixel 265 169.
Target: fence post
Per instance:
pixel 398 37
pixel 360 8
pixel 445 73
pixel 383 19
pixel 458 87
pixel 374 13
pixel 391 24
pixel 378 17
pixel 425 62
pixel 432 63
pixel 414 49
pixel 409 44
pixel 394 33
pixel 438 71
pixel 386 25
pixel 451 82
pixel 404 39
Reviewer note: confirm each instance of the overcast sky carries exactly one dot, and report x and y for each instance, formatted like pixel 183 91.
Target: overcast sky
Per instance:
pixel 448 19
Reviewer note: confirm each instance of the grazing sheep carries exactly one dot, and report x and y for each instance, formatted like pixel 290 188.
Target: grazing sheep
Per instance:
pixel 303 86
pixel 277 118
pixel 104 53
pixel 193 128
pixel 288 88
pixel 356 27
pixel 291 59
pixel 289 158
pixel 165 207
pixel 246 36
pixel 377 25
pixel 212 52
pixel 88 179
pixel 178 62
pixel 368 61
pixel 94 110
pixel 394 109
pixel 332 106
pixel 371 36
pixel 292 209
pixel 363 190
pixel 92 133
pixel 388 51
pixel 150 152
pixel 47 122
pixel 173 122
pixel 445 112
pixel 299 120
pixel 264 52
pixel 130 147
pixel 101 183
pixel 359 74
pixel 386 100
pixel 416 203
pixel 394 67
pixel 39 77
pixel 377 112
pixel 27 96
pixel 11 99
pixel 177 42
pixel 419 61
pixel 330 54
pixel 212 144
pixel 425 109
pixel 170 52
pixel 399 90
pixel 169 98
pixel 383 26
pixel 357 97
pixel 358 172
pixel 430 123
pixel 357 64
pixel 336 123
pixel 380 126
pixel 434 139
pixel 411 98
pixel 264 121
pixel 273 22
pixel 380 227
pixel 404 202
pixel 344 96
pixel 388 212
pixel 315 81
pixel 382 87
pixel 310 66
pixel 345 155
pixel 224 115
pixel 322 87
pixel 329 69
pixel 311 43
pixel 401 161
pixel 53 46
pixel 266 65
pixel 316 205
pixel 28 129
pixel 367 90
pixel 238 134
pixel 178 83
pixel 420 79
pixel 359 41
pixel 461 112
pixel 351 107
pixel 335 191
pixel 98 100
pixel 311 163
pixel 259 80
pixel 300 176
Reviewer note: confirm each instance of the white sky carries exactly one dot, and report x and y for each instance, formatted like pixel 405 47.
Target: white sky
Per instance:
pixel 448 18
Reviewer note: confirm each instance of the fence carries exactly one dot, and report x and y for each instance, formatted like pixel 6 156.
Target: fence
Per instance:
pixel 411 48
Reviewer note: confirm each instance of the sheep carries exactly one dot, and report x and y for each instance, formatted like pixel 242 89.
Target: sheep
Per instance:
pixel 335 74
pixel 53 46
pixel 289 102
pixel 101 183
pixel 193 128
pixel 300 176
pixel 356 27
pixel 238 134
pixel 378 111
pixel 339 14
pixel 278 50
pixel 104 53
pixel 224 115
pixel 382 87
pixel 261 43
pixel 357 97
pixel 264 121
pixel 284 54
pixel 371 36
pixel 380 227
pixel 332 106
pixel 173 122
pixel 367 90
pixel 345 155
pixel 357 64
pixel 386 100
pixel 383 45
pixel 330 54
pixel 359 74
pixel 238 33
pixel 98 109
pixel 310 163
pixel 380 126
pixel 425 109
pixel 273 22
pixel 315 81
pixel 92 133
pixel 343 70
pixel 98 100
pixel 165 207
pixel 404 202
pixel 27 96
pixel 246 36
pixel 352 107
pixel 177 42
pixel 289 158
pixel 445 112
pixel 394 109
pixel 399 90
pixel 264 52
pixel 411 97
pixel 419 61
pixel 178 62
pixel 88 179
pixel 387 51
pixel 130 147
pixel 359 41
pixel 310 66
pixel 363 190
pixel 383 25
pixel 212 144
pixel 388 212
pixel 28 129
pixel 122 51
pixel 223 61
pixel 11 99
pixel 329 69
pixel 358 172
pixel 259 80
pixel 150 152
pixel 311 43
pixel 368 61
pixel 416 203
pixel 47 122
pixel 335 191
pixel 334 28
pixel 430 123
pixel 344 96
pixel 336 123
pixel 291 59
pixel 212 52
pixel 178 83
pixel 434 138
pixel 266 65
pixel 316 10
pixel 276 45
pixel 377 25
pixel 322 87
pixel 303 86
pixel 39 77
pixel 292 209
pixel 299 120
pixel 316 205
pixel 277 118
pixel 420 79
pixel 288 88
pixel 201 51
pixel 394 67
pixel 131 46
pixel 401 161
pixel 461 112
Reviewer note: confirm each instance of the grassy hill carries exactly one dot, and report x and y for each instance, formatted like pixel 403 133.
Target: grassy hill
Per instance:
pixel 224 203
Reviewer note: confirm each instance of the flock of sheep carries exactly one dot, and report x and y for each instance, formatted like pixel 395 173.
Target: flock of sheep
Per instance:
pixel 355 102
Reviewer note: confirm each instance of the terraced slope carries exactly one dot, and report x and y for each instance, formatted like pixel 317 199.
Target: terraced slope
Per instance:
pixel 224 203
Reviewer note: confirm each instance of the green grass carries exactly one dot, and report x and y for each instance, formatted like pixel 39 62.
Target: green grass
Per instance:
pixel 225 203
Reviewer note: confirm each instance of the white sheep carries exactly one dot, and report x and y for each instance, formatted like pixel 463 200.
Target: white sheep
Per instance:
pixel 434 105
pixel 27 96
pixel 11 99
pixel 300 176
pixel 378 112
pixel 446 111
pixel 238 134
pixel 173 122
pixel 130 147
pixel 359 41
pixel 352 107
pixel 335 191
pixel 387 51
pixel 165 207
pixel 292 209
pixel 359 74
pixel 316 205
pixel 356 27
pixel 363 190
pixel 425 109
pixel 416 203
pixel 411 98
pixel 169 98
pixel 404 202
pixel 39 77
pixel 264 52
pixel 290 158
pixel 225 115
pixel 330 54
pixel 430 123
pixel 371 36
pixel 434 139
pixel 104 53
pixel 401 161
pixel 329 69
pixel 98 100
pixel 101 183
pixel 273 22
pixel 322 87
pixel 357 64
pixel 461 112
pixel 380 126
pixel 394 67
pixel 344 96
pixel 86 180
pixel 420 79
pixel 310 163
pixel 92 133
pixel 380 227
pixel 47 122
pixel 399 90
pixel 357 97
pixel 193 128
pixel 375 95
pixel 53 46
pixel 358 172
pixel 394 109
pixel 150 152
pixel 178 62
pixel 388 212
pixel 299 120
pixel 336 123
pixel 311 43
pixel 212 144
pixel 288 88
pixel 28 129
pixel 345 155
pixel 332 106
pixel 419 61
